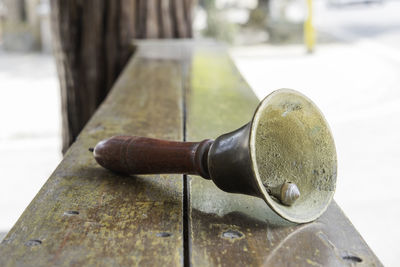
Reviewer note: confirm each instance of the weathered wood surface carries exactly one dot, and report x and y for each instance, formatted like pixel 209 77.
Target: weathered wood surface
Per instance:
pixel 175 90
pixel 122 221
pixel 237 230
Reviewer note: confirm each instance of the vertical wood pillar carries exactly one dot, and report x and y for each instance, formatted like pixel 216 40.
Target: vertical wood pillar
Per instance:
pixel 92 43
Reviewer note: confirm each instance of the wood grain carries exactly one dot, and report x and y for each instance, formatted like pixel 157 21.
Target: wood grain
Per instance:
pixel 142 155
pixel 92 43
pixel 87 216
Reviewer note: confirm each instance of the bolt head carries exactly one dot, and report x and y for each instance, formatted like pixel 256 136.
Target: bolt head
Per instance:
pixel 289 193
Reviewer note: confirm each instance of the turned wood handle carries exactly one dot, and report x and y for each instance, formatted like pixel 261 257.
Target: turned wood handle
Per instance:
pixel 140 155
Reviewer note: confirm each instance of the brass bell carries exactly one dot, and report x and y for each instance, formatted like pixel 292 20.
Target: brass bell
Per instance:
pixel 285 155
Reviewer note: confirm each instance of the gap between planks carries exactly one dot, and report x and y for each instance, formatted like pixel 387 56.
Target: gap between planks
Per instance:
pixel 186 198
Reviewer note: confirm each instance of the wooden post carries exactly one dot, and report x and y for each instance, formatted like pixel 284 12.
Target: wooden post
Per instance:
pixel 92 42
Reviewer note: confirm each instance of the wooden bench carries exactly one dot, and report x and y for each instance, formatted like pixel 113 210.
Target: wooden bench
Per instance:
pixel 86 215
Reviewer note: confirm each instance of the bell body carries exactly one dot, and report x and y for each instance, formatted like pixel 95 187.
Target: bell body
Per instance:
pixel 229 163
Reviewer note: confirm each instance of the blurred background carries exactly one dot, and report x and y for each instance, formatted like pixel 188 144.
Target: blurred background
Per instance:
pixel 343 54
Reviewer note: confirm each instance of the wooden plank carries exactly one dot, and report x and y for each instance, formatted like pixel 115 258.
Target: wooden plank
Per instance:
pixel 122 221
pixel 237 230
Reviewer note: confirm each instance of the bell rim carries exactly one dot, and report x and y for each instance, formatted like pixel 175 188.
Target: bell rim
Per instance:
pixel 252 139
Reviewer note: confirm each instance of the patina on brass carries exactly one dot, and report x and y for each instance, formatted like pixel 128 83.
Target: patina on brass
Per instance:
pixel 285 155
pixel 288 140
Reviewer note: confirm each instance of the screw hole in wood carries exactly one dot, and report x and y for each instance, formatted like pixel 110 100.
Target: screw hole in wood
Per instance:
pixel 232 234
pixel 33 242
pixel 352 258
pixel 71 213
pixel 163 234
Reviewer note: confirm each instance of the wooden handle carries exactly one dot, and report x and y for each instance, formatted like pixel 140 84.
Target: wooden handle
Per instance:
pixel 140 155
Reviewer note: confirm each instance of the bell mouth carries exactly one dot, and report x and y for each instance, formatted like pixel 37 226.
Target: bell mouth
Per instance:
pixel 290 141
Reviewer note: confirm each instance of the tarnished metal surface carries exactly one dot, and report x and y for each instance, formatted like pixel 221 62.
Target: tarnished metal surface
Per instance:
pixel 287 141
pixel 87 216
pixel 290 141
pixel 237 230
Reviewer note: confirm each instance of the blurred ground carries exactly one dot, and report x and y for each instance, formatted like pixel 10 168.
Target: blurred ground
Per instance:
pixel 30 130
pixel 355 80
